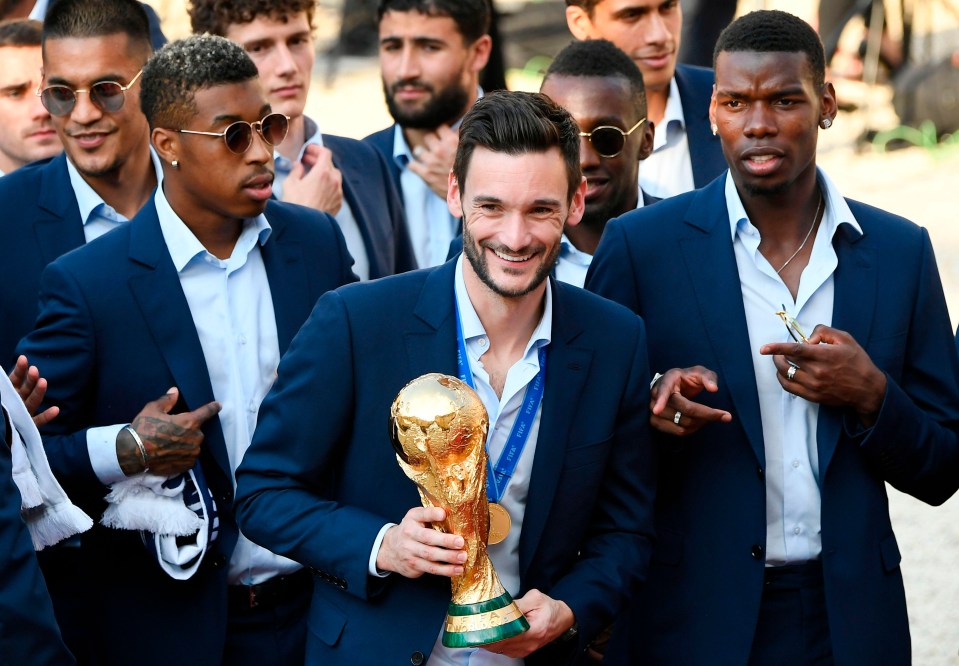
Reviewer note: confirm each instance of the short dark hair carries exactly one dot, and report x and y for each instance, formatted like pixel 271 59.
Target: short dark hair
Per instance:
pixel 20 32
pixel 98 18
pixel 774 31
pixel 472 17
pixel 600 58
pixel 175 72
pixel 588 5
pixel 216 16
pixel 516 123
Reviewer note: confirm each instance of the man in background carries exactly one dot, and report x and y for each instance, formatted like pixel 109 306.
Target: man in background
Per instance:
pixel 431 55
pixel 343 177
pixel 686 153
pixel 26 129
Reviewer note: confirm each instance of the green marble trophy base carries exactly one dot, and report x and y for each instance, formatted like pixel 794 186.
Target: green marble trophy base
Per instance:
pixel 473 625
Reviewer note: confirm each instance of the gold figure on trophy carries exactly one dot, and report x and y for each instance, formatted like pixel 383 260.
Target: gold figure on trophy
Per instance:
pixel 438 426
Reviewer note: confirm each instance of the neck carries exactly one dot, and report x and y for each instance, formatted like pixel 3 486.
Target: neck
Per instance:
pixel 8 164
pixel 783 217
pixel 216 233
pixel 126 189
pixel 509 321
pixel 656 104
pixel 295 138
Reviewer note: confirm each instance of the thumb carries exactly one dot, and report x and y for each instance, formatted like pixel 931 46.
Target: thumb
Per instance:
pixel 166 402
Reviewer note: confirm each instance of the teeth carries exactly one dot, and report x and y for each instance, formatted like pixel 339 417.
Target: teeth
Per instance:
pixel 507 257
pixel 761 158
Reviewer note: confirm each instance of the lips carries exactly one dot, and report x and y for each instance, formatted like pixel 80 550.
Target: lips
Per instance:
pixel 89 140
pixel 259 188
pixel 595 187
pixel 286 92
pixel 656 60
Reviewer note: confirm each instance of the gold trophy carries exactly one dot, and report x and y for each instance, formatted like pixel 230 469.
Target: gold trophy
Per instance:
pixel 438 426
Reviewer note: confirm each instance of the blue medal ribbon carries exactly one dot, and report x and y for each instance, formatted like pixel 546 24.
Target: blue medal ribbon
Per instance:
pixel 498 476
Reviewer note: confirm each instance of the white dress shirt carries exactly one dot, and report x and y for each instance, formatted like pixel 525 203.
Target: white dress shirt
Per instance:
pixel 344 218
pixel 668 171
pixel 793 503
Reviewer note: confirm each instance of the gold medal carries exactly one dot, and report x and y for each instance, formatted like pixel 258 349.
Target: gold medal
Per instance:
pixel 499 523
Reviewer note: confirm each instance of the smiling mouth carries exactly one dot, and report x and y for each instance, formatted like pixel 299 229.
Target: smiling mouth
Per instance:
pixel 516 259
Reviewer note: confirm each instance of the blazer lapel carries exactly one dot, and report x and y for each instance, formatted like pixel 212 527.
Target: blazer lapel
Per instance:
pixel 289 281
pixel 59 228
pixel 711 263
pixel 433 347
pixel 856 284
pixel 567 367
pixel 160 297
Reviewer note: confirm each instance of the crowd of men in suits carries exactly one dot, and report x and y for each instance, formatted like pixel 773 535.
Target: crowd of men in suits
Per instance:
pixel 209 304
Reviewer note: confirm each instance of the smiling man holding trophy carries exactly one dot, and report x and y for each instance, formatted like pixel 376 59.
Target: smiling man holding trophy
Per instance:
pixel 564 379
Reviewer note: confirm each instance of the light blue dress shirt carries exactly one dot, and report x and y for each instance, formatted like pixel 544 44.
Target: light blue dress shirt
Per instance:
pixel 793 502
pixel 668 171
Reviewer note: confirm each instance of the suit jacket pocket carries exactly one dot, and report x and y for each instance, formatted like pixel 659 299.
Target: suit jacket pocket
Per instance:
pixel 890 553
pixel 326 620
pixel 587 454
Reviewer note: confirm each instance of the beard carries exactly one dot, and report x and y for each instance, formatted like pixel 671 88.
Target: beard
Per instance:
pixel 443 108
pixel 478 261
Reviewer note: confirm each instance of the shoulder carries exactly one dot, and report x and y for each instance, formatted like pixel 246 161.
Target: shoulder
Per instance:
pixel 663 218
pixel 604 321
pixel 887 230
pixel 300 221
pixel 382 140
pixel 692 78
pixel 27 179
pixel 342 145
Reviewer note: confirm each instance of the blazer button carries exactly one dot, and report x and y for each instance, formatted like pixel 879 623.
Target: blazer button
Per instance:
pixel 759 471
pixel 757 551
pixel 417 658
pixel 219 561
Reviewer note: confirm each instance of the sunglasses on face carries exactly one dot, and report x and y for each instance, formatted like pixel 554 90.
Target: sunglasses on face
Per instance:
pixel 238 136
pixel 608 140
pixel 108 96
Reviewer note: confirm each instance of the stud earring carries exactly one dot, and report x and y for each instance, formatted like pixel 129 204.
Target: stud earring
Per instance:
pixel 175 164
pixel 714 128
pixel 826 123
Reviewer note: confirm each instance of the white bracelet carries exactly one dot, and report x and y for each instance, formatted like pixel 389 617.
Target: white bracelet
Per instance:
pixel 141 447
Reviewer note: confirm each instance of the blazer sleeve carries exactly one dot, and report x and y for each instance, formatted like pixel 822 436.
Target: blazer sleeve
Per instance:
pixel 63 348
pixel 915 439
pixel 285 482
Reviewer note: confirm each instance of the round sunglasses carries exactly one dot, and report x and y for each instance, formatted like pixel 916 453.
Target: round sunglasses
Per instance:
pixel 108 96
pixel 608 140
pixel 238 136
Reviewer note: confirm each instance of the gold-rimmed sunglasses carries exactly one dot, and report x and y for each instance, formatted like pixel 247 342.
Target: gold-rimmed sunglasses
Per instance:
pixel 795 330
pixel 608 140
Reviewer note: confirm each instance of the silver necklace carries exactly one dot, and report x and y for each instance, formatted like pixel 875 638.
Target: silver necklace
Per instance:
pixel 804 240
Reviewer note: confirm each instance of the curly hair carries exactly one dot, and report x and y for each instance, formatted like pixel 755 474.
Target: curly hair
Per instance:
pixel 216 16
pixel 772 31
pixel 175 72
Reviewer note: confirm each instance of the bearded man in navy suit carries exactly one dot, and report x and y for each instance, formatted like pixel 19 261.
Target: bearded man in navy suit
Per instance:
pixel 321 483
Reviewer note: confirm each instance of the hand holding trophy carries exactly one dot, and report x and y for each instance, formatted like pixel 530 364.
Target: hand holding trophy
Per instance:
pixel 438 426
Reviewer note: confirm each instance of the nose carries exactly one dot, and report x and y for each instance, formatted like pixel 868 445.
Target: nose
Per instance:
pixel 409 65
pixel 656 31
pixel 514 233
pixel 285 65
pixel 588 157
pixel 259 152
pixel 760 121
pixel 85 112
pixel 38 112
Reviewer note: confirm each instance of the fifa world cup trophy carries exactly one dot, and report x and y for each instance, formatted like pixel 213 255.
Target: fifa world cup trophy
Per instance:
pixel 438 426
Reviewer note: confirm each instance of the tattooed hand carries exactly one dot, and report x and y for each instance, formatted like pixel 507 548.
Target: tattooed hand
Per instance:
pixel 172 441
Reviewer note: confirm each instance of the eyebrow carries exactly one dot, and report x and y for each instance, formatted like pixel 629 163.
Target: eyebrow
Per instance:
pixel 418 41
pixel 13 87
pixel 264 110
pixel 60 81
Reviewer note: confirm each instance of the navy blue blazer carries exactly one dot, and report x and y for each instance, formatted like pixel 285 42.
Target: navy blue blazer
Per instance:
pixel 28 630
pixel 41 222
pixel 115 332
pixel 383 142
pixel 674 265
pixel 321 477
pixel 372 193
pixel 695 86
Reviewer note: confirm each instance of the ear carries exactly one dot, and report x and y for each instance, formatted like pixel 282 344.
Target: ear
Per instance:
pixel 579 22
pixel 577 205
pixel 830 105
pixel 167 144
pixel 453 200
pixel 712 107
pixel 481 49
pixel 648 134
